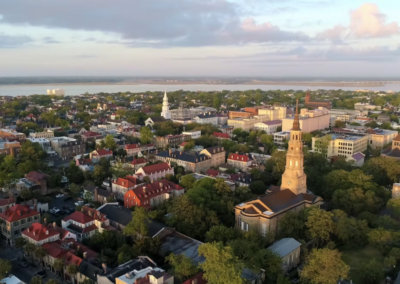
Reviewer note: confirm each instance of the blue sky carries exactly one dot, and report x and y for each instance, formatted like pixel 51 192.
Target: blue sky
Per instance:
pixel 326 38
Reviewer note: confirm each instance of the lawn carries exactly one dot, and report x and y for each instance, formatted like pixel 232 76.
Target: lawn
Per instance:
pixel 356 258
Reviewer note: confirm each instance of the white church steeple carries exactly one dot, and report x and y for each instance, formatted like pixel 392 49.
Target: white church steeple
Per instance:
pixel 165 107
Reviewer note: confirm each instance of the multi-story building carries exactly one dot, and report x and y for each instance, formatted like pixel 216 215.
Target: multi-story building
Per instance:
pixel 56 92
pixel 379 138
pixel 91 136
pixel 15 220
pixel 67 147
pixel 393 151
pixel 274 113
pixel 344 115
pixel 44 143
pixel 217 155
pixel 316 104
pixel 134 149
pixel 281 137
pixel 148 275
pixel 262 214
pixel 240 161
pixel 12 135
pixel 120 186
pixel 153 194
pixel 240 114
pixel 207 117
pixel 170 140
pixel 10 148
pixel 247 124
pixel 364 106
pixel 156 171
pixel 191 161
pixel 341 145
pixel 222 118
pixel 96 155
pixel 38 234
pixel 192 134
pixel 310 120
pixel 6 204
pixel 268 126
pixel 44 134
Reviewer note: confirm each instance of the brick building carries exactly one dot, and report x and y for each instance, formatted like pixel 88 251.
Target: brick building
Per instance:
pixel 316 104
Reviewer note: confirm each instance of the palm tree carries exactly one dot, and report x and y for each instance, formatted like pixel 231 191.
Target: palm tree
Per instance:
pixel 29 249
pixel 72 270
pixel 59 266
pixel 20 242
pixel 36 280
pixel 40 254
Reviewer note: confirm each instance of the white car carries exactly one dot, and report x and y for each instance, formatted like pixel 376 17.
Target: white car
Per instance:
pixel 59 195
pixel 78 203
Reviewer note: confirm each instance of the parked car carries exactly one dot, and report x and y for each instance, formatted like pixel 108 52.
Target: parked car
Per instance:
pixel 67 198
pixel 23 264
pixel 41 274
pixel 72 210
pixel 62 212
pixel 67 211
pixel 79 203
pixel 59 195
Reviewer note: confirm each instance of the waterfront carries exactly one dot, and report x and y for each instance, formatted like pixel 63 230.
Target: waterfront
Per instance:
pixel 74 90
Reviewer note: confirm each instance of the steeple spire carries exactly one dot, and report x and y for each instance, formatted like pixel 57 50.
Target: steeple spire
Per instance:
pixel 296 122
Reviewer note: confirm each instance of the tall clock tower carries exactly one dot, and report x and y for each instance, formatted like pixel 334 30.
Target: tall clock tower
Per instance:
pixel 294 178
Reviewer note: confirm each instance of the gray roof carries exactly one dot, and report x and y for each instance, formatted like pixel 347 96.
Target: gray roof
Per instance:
pixel 284 246
pixel 191 157
pixel 89 270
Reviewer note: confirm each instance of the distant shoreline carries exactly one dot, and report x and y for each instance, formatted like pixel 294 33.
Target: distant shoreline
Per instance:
pixel 249 83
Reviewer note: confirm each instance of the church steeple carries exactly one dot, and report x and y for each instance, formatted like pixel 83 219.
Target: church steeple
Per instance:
pixel 165 107
pixel 294 178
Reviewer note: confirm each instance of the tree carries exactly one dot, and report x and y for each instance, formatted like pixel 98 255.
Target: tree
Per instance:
pixel 29 249
pixel 36 280
pixel 146 180
pixel 258 187
pixel 217 103
pixel 110 142
pixel 372 272
pixel 340 124
pixel 146 136
pixel 52 281
pixel 187 181
pixel 74 173
pixel 320 224
pixel 58 265
pixel 5 268
pixel 40 253
pixel 72 270
pixel 123 257
pixel 182 266
pixel 189 145
pixel 221 265
pixel 222 234
pixel 350 230
pixel 20 242
pixel 139 225
pixel 74 190
pixel 291 225
pixel 324 266
pixel 394 206
pixel 25 194
pixel 222 187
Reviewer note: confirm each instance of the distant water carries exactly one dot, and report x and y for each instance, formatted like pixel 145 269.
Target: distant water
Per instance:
pixel 74 90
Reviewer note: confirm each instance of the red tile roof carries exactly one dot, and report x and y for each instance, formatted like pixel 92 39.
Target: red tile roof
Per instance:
pixel 156 168
pixel 128 181
pixel 239 157
pixel 39 232
pixel 211 172
pixel 139 161
pixel 4 202
pixel 183 144
pixel 79 217
pixel 17 212
pixel 91 134
pixel 36 176
pixel 221 135
pixel 91 212
pixel 198 277
pixel 131 146
pixel 104 152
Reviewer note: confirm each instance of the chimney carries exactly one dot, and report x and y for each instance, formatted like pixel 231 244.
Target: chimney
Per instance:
pixel 47 232
pixel 104 265
pixel 54 225
pixel 78 248
pixel 144 189
pixel 84 254
pixel 29 229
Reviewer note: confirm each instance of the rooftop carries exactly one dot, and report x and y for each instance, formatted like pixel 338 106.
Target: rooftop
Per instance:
pixel 17 212
pixel 284 246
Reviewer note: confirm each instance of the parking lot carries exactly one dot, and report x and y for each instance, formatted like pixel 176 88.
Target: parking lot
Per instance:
pixel 60 203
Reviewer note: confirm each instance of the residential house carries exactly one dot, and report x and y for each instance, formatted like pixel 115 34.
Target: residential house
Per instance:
pixel 148 275
pixel 15 220
pixel 85 164
pixel 10 148
pixel 156 171
pixel 120 186
pixel 289 250
pixel 6 204
pixel 38 234
pixel 153 194
pixel 358 159
pixel 138 163
pixel 240 161
pixel 103 196
pixel 96 155
pixel 197 279
pixel 34 181
pixel 241 179
pixel 220 135
pixel 170 140
pixel 151 120
pixel 191 161
pixel 217 155
pixel 90 136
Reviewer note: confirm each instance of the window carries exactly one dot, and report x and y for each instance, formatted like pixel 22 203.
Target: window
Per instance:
pixel 16 223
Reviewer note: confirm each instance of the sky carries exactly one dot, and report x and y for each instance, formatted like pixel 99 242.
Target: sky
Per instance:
pixel 263 38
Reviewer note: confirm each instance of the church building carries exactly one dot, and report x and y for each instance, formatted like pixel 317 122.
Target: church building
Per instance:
pixel 165 107
pixel 263 213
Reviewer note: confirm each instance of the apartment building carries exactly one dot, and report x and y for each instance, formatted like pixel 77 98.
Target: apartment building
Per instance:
pixel 134 149
pixel 378 138
pixel 240 161
pixel 38 234
pixel 44 143
pixel 281 137
pixel 120 186
pixel 156 171
pixel 170 140
pixel 153 194
pixel 241 114
pixel 12 135
pixel 192 134
pixel 247 124
pixel 268 126
pixel 191 161
pixel 67 147
pixel 91 136
pixel 15 220
pixel 344 115
pixel 217 155
pixel 96 155
pixel 10 148
pixel 310 120
pixel 365 106
pixel 206 117
pixel 339 144
pixel 274 113
pixel 44 134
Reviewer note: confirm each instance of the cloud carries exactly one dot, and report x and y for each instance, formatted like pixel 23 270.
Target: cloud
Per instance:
pixel 151 23
pixel 7 41
pixel 365 22
pixel 50 40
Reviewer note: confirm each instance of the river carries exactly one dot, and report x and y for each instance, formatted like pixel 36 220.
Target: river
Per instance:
pixel 74 90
